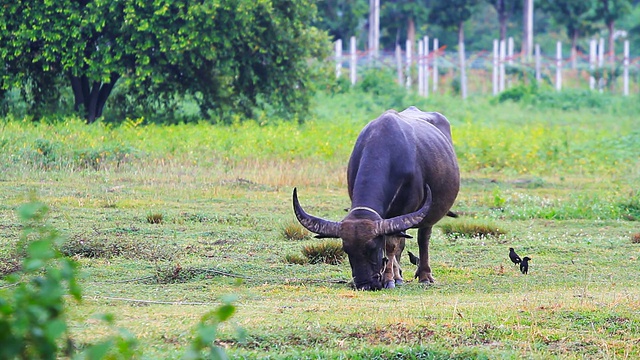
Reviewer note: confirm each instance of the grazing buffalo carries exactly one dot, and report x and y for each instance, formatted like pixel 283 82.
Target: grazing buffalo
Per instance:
pixel 402 174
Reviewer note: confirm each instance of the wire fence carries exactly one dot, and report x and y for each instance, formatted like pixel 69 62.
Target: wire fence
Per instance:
pixel 491 72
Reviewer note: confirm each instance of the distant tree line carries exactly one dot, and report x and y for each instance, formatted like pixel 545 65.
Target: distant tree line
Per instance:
pixel 484 20
pixel 231 58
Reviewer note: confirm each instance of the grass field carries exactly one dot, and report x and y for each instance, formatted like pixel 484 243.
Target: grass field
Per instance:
pixel 166 220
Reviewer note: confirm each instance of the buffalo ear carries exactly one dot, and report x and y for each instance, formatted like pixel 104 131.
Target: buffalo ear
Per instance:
pixel 404 235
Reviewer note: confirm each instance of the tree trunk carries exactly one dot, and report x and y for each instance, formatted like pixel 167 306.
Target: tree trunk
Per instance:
pixel 502 18
pixel 574 50
pixel 91 98
pixel 612 56
pixel 411 32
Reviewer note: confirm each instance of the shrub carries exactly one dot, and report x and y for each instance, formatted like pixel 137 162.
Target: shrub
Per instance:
pixel 32 320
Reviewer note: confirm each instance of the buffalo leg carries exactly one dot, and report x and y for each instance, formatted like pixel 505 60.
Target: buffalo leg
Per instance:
pixel 392 272
pixel 424 269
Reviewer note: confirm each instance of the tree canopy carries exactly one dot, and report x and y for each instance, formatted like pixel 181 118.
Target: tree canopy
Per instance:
pixel 229 55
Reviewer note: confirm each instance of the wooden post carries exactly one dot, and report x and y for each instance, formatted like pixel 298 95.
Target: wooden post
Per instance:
pixel 408 67
pixel 435 65
pixel 354 60
pixel 420 68
pixel 371 31
pixel 376 32
pixel 592 63
pixel 601 64
pixel 425 64
pixel 495 67
pixel 625 74
pixel 399 63
pixel 538 73
pixel 558 66
pixel 510 57
pixel 501 65
pixel 338 45
pixel 463 70
pixel 527 39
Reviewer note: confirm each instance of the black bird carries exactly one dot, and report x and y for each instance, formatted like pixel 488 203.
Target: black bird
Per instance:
pixel 415 261
pixel 514 257
pixel 524 265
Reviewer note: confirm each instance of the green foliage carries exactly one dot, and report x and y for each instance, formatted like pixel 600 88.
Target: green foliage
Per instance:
pixel 226 55
pixel 32 319
pixel 203 344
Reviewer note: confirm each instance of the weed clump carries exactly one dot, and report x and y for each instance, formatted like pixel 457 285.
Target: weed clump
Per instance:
pixel 294 231
pixel 155 218
pixel 470 230
pixel 328 252
pixel 295 259
pixel 635 238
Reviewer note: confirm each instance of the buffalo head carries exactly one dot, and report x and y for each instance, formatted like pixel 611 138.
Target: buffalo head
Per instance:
pixel 363 232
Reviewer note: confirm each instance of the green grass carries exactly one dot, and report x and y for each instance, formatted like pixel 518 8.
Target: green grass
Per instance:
pixel 563 186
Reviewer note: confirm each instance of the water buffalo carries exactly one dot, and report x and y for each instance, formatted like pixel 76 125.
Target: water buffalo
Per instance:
pixel 402 174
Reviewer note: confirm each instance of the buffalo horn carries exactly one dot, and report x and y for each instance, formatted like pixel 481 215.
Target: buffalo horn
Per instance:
pixel 324 228
pixel 403 222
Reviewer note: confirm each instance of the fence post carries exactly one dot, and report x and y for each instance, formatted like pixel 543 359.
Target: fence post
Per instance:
pixel 338 45
pixel 601 64
pixel 435 65
pixel 354 60
pixel 592 63
pixel 538 73
pixel 510 58
pixel 626 68
pixel 425 64
pixel 501 65
pixel 377 29
pixel 463 71
pixel 495 67
pixel 399 63
pixel 408 68
pixel 420 69
pixel 558 66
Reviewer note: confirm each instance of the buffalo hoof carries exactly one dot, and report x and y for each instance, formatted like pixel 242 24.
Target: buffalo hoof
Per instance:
pixel 399 282
pixel 390 284
pixel 429 280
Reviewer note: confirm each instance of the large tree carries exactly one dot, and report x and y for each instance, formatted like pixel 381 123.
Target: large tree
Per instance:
pixel 610 11
pixel 504 9
pixel 574 16
pixel 451 15
pixel 227 54
pixel 342 18
pixel 400 18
